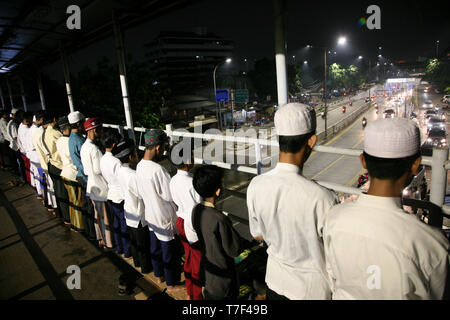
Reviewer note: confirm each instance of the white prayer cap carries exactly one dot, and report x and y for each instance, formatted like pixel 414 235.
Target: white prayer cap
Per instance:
pixel 34 118
pixel 75 117
pixel 14 110
pixel 392 138
pixel 294 119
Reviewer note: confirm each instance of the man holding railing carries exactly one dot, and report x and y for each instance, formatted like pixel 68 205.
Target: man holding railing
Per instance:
pixel 287 211
pixel 374 249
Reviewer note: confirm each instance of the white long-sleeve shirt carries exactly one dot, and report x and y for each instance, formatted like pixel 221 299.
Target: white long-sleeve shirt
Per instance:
pixel 186 198
pixel 133 206
pixel 33 153
pixel 3 128
pixel 22 136
pixel 154 190
pixel 38 143
pixel 375 250
pixel 97 187
pixel 69 171
pixel 289 211
pixel 12 135
pixel 109 166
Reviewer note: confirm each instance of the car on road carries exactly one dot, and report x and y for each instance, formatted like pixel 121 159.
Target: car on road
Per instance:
pixel 430 113
pixel 428 104
pixel 436 138
pixel 435 123
pixel 389 113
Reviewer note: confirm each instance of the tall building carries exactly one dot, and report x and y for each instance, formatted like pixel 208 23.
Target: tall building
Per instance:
pixel 184 61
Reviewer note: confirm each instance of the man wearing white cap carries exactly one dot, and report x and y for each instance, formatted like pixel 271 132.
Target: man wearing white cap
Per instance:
pixel 287 211
pixel 375 250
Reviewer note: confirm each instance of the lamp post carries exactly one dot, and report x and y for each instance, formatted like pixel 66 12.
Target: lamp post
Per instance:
pixel 341 41
pixel 219 118
pixel 437 49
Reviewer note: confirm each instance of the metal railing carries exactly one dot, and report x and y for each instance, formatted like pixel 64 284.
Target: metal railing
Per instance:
pixel 438 162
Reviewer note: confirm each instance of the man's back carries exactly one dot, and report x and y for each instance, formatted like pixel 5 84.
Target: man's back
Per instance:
pixel 154 190
pixel 109 165
pixel 375 250
pixel 288 211
pixel 220 245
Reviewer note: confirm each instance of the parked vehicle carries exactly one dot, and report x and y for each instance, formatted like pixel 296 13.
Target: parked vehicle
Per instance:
pixel 389 113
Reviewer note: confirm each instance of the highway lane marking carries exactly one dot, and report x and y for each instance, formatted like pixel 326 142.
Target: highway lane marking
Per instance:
pixel 338 136
pixel 336 161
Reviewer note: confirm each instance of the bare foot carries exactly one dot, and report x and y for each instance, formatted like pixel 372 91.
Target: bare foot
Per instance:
pixel 178 287
pixel 160 279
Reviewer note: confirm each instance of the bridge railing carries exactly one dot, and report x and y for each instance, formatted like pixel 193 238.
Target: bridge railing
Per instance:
pixel 438 162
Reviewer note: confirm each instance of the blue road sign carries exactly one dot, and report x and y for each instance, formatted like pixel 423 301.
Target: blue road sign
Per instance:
pixel 222 95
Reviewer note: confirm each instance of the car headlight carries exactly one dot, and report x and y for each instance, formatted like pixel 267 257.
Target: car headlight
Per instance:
pixel 429 140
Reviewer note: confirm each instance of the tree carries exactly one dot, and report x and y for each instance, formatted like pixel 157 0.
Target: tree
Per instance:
pixel 98 93
pixel 294 82
pixel 438 73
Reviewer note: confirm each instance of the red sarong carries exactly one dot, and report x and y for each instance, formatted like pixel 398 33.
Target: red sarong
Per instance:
pixel 193 256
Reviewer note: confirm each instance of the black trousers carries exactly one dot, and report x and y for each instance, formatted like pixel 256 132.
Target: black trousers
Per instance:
pixel 62 198
pixel 272 295
pixel 140 247
pixel 87 211
pixel 8 157
pixel 20 165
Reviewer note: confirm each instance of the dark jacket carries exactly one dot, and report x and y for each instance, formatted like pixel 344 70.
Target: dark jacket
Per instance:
pixel 220 244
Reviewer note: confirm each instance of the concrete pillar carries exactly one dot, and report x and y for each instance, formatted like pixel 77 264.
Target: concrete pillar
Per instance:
pixel 22 93
pixel 279 7
pixel 41 90
pixel 67 79
pixel 123 75
pixel 438 176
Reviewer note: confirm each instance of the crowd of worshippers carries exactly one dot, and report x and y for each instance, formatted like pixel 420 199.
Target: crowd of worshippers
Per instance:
pixel 318 248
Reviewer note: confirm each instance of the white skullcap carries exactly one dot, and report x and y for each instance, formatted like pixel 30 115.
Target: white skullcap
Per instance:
pixel 34 118
pixel 392 138
pixel 294 119
pixel 14 110
pixel 75 117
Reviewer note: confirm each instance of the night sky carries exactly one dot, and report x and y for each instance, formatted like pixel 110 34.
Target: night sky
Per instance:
pixel 409 29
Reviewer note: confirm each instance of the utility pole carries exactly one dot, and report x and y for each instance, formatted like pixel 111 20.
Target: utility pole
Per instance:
pixel 123 75
pixel 280 50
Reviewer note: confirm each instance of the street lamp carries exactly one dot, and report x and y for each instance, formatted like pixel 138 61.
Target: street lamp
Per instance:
pixel 360 57
pixel 228 60
pixel 305 62
pixel 437 49
pixel 341 41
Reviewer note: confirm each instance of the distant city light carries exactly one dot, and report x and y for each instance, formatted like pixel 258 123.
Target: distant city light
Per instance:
pixel 360 57
pixel 305 62
pixel 379 56
pixel 228 60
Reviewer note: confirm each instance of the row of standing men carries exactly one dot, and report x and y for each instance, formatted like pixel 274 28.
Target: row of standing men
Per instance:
pixel 317 248
pixel 91 178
